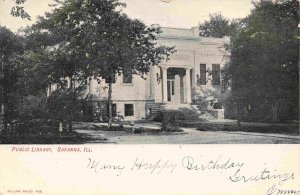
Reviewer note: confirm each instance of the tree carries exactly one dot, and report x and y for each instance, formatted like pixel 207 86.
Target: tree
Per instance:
pixel 103 41
pixel 219 26
pixel 54 65
pixel 18 10
pixel 11 46
pixel 264 63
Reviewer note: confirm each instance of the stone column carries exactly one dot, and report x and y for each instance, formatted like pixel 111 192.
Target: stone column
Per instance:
pixel 164 83
pixel 89 79
pixel 92 85
pixel 187 92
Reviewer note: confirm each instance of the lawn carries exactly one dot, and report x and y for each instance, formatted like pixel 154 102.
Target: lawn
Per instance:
pixel 286 129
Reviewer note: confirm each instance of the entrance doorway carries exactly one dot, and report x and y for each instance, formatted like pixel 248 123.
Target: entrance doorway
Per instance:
pixel 175 87
pixel 171 89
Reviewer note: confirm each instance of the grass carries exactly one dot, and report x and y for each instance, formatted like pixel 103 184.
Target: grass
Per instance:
pixel 288 129
pixel 122 127
pixel 133 129
pixel 50 138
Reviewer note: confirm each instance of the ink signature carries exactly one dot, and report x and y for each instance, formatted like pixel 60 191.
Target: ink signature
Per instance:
pixel 276 189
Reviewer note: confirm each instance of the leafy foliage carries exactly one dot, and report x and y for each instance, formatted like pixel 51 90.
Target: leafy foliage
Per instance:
pixel 219 26
pixel 264 63
pixel 18 10
pixel 11 46
pixel 101 41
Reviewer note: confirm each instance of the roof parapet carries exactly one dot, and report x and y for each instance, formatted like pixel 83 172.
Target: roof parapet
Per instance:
pixel 192 33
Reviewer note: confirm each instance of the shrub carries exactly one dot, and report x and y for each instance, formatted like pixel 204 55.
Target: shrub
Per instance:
pixel 138 130
pixel 202 104
pixel 115 128
pixel 169 123
pixel 37 126
pixel 181 114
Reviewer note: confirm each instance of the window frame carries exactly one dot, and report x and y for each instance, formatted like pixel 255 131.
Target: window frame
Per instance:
pixel 214 74
pixel 129 112
pixel 173 87
pixel 202 80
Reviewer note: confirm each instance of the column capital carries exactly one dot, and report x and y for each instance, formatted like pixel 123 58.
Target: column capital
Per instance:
pixel 188 68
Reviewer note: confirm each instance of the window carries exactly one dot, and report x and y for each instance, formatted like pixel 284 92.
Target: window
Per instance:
pixel 112 78
pixel 216 71
pixel 113 109
pixel 128 109
pixel 127 75
pixel 173 86
pixel 218 105
pixel 202 74
pixel 170 88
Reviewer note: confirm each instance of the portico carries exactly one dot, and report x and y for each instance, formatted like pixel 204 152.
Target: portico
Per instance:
pixel 176 84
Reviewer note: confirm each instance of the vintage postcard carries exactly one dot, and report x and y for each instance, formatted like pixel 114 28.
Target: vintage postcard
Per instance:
pixel 149 97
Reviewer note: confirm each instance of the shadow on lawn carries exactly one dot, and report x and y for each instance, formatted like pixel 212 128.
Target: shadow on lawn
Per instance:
pixel 61 138
pixel 287 129
pixel 43 131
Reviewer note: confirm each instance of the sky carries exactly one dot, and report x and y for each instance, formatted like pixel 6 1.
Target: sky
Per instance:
pixel 168 13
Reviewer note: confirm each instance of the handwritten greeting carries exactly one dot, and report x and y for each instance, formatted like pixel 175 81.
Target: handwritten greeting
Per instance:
pixel 230 169
pixel 235 170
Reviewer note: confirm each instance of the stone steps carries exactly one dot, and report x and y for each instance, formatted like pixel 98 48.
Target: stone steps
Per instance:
pixel 171 106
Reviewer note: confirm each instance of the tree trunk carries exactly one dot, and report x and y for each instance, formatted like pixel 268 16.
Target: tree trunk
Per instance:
pixel 237 101
pixel 70 126
pixel 3 107
pixel 109 103
pixel 275 111
pixel 238 114
pixel 21 104
pixel 2 122
pixel 72 103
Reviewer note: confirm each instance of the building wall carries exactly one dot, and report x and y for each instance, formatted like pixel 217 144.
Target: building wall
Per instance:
pixel 192 51
pixel 136 93
pixel 146 94
pixel 120 91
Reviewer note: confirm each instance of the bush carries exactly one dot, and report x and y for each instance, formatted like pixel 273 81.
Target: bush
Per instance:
pixel 181 114
pixel 115 128
pixel 202 104
pixel 169 123
pixel 136 130
pixel 36 126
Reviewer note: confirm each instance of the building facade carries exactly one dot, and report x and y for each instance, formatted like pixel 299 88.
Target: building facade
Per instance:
pixel 192 72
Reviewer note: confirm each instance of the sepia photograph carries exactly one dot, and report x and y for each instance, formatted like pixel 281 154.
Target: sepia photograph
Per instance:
pixel 184 72
pixel 193 97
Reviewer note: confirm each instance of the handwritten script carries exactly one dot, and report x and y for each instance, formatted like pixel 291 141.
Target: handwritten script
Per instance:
pixel 236 172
